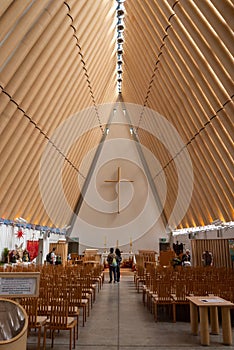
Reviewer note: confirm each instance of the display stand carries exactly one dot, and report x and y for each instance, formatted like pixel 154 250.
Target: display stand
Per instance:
pixel 14 325
pixel 166 257
pixel 92 256
pixel 19 284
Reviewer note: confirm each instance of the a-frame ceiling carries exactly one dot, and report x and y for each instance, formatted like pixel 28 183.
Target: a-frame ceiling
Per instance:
pixel 59 58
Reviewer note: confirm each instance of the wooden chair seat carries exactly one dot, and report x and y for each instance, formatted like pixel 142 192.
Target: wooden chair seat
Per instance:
pixel 59 320
pixel 69 322
pixel 41 320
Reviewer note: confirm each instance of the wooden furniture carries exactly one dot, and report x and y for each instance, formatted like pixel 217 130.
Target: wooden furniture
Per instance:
pixel 76 259
pixel 19 283
pixel 148 255
pixel 80 301
pixel 179 295
pixel 59 320
pixel 203 303
pixel 163 297
pixel 140 277
pixel 61 250
pixel 184 282
pixel 13 316
pixel 92 256
pixel 166 257
pixel 73 309
pixel 34 321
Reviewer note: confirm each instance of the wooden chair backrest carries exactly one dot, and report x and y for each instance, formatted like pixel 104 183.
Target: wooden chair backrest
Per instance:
pixel 181 291
pixel 30 305
pixel 164 291
pixel 59 313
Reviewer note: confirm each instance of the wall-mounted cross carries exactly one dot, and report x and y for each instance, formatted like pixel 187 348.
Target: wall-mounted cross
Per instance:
pixel 118 181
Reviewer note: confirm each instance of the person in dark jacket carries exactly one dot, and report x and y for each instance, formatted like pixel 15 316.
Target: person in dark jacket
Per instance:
pixel 186 258
pixel 207 258
pixel 111 259
pixel 118 259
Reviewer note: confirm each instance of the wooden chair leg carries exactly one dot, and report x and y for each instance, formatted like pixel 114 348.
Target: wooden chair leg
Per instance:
pixel 70 343
pixel 52 339
pixel 174 312
pixel 39 338
pixel 44 338
pixel 155 313
pixel 74 338
pixel 84 314
pixel 77 328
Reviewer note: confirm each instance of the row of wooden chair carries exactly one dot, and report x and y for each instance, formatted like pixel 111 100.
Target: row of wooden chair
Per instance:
pixel 63 293
pixel 59 318
pixel 86 281
pixel 172 286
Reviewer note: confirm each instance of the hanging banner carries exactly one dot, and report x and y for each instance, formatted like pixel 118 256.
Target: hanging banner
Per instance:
pixel 32 247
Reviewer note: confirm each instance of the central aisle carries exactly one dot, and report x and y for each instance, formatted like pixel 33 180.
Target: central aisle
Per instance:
pixel 119 321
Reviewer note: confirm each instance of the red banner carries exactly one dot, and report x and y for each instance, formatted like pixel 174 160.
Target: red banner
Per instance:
pixel 32 248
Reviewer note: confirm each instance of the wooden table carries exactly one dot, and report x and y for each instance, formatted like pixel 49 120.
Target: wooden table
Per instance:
pixel 203 303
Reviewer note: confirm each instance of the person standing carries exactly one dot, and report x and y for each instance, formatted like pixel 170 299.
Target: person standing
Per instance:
pixel 26 256
pixel 53 256
pixel 186 258
pixel 118 259
pixel 207 258
pixel 111 259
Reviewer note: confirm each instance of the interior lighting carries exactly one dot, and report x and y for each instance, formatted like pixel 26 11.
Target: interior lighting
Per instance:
pixel 217 222
pixel 215 225
pixel 120 10
pixel 120 38
pixel 22 220
pixel 120 25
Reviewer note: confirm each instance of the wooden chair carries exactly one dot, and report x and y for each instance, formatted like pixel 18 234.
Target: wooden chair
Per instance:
pixel 34 321
pixel 152 294
pixel 200 288
pixel 88 290
pixel 78 300
pixel 140 277
pixel 146 288
pixel 73 309
pixel 43 307
pixel 179 297
pixel 163 297
pixel 98 276
pixel 59 320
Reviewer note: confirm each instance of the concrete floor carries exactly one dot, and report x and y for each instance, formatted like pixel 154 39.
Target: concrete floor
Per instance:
pixel 119 321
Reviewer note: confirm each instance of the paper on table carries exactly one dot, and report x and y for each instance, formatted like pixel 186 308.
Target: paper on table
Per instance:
pixel 213 300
